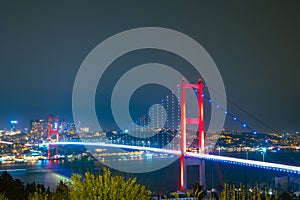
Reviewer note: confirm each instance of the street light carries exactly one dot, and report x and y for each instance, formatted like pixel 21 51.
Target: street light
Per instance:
pixel 264 149
pixel 219 148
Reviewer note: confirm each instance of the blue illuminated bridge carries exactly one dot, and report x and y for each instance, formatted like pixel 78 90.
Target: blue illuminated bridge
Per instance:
pixel 230 160
pixel 164 130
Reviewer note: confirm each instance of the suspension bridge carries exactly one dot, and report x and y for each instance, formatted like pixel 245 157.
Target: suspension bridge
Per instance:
pixel 164 129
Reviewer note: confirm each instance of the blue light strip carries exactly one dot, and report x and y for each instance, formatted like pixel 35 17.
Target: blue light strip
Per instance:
pixel 232 116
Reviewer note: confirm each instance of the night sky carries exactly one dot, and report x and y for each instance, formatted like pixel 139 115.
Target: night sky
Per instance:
pixel 255 46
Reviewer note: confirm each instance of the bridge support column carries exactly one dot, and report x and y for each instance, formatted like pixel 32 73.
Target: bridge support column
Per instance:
pixel 52 128
pixel 201 139
pixel 183 137
pixel 182 173
pixel 202 180
pixel 184 121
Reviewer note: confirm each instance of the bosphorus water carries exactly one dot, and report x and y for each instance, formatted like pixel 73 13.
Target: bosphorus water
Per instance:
pixel 164 180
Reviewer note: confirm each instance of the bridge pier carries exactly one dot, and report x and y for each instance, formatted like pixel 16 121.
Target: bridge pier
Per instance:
pixel 202 173
pixel 52 127
pixel 183 122
pixel 182 173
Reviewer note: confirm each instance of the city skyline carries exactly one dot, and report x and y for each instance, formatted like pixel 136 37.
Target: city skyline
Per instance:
pixel 255 47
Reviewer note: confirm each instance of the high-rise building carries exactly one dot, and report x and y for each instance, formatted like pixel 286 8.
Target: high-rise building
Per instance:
pixel 72 129
pixel 13 125
pixel 37 127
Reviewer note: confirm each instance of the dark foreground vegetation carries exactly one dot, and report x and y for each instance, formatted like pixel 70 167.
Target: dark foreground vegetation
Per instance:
pixel 91 187
pixel 109 187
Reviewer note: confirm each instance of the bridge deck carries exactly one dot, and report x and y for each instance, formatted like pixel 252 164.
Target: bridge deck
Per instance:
pixel 230 160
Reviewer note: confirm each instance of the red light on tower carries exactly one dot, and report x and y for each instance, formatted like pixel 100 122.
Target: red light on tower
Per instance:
pixel 52 128
pixel 184 121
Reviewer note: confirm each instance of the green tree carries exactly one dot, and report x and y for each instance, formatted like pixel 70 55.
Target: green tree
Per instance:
pixel 3 197
pixel 39 195
pixel 106 187
pixel 199 191
pixel 62 192
pixel 12 188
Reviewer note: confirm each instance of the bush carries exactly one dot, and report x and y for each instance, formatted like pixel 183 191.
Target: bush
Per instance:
pixel 95 187
pixel 106 187
pixel 3 197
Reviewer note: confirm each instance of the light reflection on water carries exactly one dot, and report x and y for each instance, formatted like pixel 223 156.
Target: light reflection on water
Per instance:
pixel 43 172
pixel 50 173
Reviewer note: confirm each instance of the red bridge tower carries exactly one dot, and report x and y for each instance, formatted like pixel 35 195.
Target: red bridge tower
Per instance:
pixel 183 122
pixel 52 130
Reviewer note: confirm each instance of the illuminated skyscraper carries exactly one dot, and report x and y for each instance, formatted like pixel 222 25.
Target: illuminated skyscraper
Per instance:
pixel 37 127
pixel 13 125
pixel 72 129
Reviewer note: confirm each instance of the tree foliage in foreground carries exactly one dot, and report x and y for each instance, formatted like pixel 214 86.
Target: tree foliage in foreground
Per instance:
pixel 106 187
pixel 3 197
pixel 11 188
pixel 95 187
pixel 242 193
